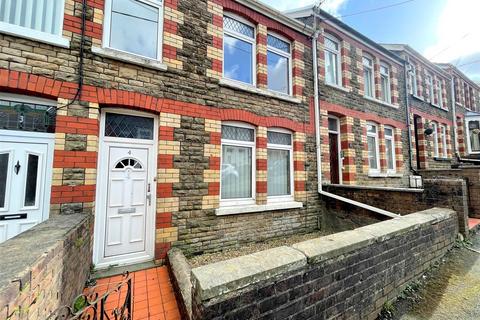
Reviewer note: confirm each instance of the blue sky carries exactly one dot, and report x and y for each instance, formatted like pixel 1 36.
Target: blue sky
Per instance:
pixel 441 30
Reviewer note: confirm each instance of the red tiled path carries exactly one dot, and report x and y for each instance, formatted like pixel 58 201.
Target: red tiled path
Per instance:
pixel 152 292
pixel 472 223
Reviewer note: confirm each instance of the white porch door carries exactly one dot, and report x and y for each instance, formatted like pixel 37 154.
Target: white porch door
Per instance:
pixel 24 179
pixel 128 200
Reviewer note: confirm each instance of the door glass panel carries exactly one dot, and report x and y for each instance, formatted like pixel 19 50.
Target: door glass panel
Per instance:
pixel 31 181
pixel 3 177
pixel 27 116
pixel 126 126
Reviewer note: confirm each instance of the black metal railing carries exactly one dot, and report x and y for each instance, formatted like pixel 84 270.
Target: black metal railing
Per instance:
pixel 114 304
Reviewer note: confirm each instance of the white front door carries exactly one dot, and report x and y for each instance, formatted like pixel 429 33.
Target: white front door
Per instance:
pixel 25 176
pixel 127 195
pixel 125 214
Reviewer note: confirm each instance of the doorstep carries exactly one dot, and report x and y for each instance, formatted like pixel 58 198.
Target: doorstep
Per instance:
pixel 113 271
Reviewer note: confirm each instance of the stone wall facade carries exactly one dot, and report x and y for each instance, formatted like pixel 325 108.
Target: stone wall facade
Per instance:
pixel 349 275
pixel 51 263
pixel 186 93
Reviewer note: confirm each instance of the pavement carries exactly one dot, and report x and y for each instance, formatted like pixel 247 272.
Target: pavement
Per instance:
pixel 453 292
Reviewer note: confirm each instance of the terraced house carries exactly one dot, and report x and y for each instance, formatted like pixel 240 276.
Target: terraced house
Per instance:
pixel 207 125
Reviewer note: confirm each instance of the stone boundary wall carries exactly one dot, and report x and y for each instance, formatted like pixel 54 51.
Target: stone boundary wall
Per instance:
pixel 348 275
pixel 444 193
pixel 472 177
pixel 45 267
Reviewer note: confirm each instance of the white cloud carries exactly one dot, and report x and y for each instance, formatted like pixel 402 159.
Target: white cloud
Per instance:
pixel 458 32
pixel 331 6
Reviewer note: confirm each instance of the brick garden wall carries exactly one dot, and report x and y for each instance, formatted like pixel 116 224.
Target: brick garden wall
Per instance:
pixel 45 267
pixel 444 193
pixel 471 176
pixel 346 275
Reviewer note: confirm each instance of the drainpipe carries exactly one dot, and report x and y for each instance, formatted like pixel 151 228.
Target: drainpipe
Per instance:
pixel 316 101
pixel 406 63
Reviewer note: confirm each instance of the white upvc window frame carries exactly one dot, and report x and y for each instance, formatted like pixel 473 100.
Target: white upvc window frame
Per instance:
pixel 285 55
pixel 443 136
pixel 46 37
pixel 290 197
pixel 372 75
pixel 377 147
pixel 436 150
pixel 413 80
pixel 469 144
pixel 252 41
pixel 430 88
pixel 107 23
pixel 386 76
pixel 249 144
pixel 338 65
pixel 440 92
pixel 393 151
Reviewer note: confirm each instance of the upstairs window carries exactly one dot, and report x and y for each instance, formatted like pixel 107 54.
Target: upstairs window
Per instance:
pixel 412 79
pixel 440 93
pixel 278 64
pixel 135 27
pixel 385 83
pixel 332 61
pixel 430 90
pixel 466 93
pixel 238 50
pixel 368 78
pixel 35 19
pixel 473 126
pixel 373 148
pixel 280 165
pixel 390 149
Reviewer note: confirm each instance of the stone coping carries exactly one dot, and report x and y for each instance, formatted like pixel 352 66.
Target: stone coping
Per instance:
pixel 21 253
pixel 217 279
pixel 381 188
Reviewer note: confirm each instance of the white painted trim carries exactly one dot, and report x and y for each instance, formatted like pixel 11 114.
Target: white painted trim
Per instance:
pixel 289 148
pixel 258 208
pixel 249 88
pixel 242 37
pixel 377 148
pixel 19 31
pixel 107 28
pixel 247 144
pixel 393 153
pixel 285 55
pixel 100 196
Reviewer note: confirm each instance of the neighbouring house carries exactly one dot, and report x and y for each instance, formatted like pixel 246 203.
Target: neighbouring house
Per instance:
pixel 198 124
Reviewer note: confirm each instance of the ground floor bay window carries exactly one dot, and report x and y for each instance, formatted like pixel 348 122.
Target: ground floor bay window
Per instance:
pixel 280 166
pixel 390 149
pixel 373 148
pixel 237 183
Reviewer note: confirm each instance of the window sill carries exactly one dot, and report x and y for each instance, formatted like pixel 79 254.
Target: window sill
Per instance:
pixel 129 58
pixel 249 88
pixel 337 87
pixel 417 97
pixel 381 102
pixel 258 208
pixel 440 159
pixel 14 30
pixel 438 107
pixel 384 175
